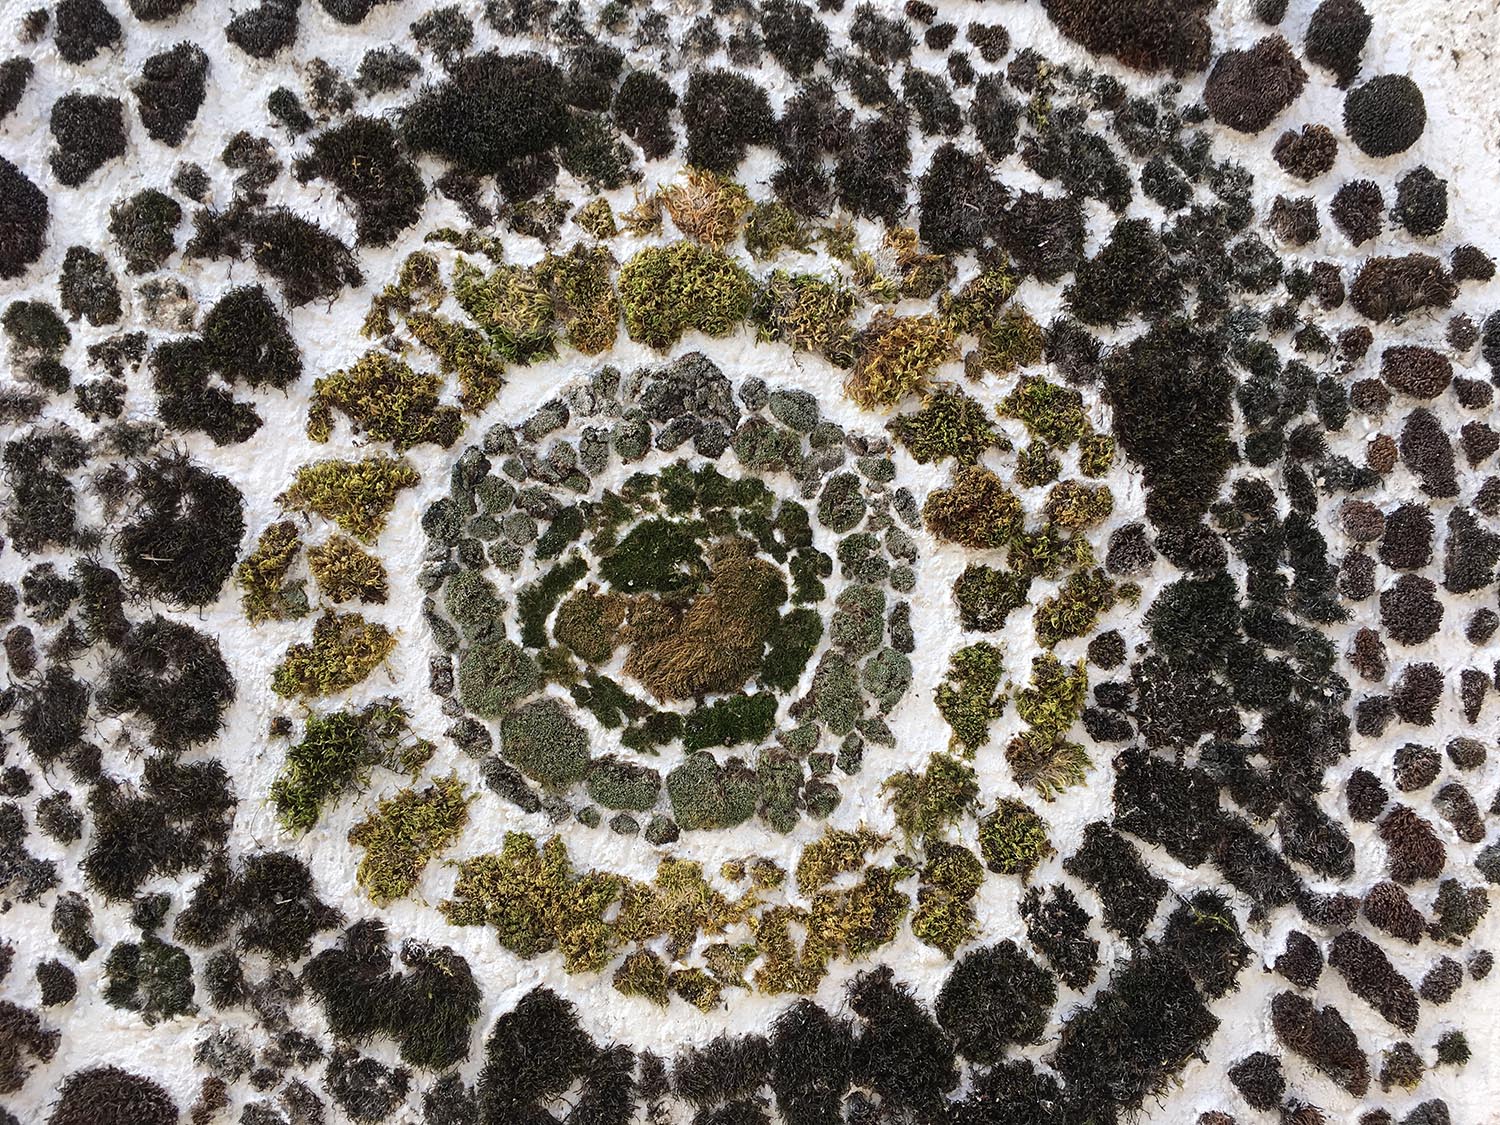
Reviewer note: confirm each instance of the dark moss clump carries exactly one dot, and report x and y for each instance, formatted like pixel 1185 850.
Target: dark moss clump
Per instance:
pixel 1138 1032
pixel 643 110
pixel 1385 115
pixel 23 221
pixel 248 340
pixel 1323 1038
pixel 725 113
pixel 42 509
pixel 152 978
pixel 1131 275
pixel 174 678
pixel 1113 867
pixel 1308 154
pixel 265 29
pixel 871 174
pixel 1205 936
pixel 493 114
pixel 83 29
pixel 1373 978
pixel 363 159
pixel 15 75
pixel 186 400
pixel 279 908
pixel 1259 1080
pixel 1146 35
pixel 87 287
pixel 1421 202
pixel 89 130
pixel 107 1095
pixel 185 538
pixel 144 227
pixel 1336 35
pixel 904 1056
pixel 1247 89
pixel 993 997
pixel 170 91
pixel 532 1055
pixel 307 261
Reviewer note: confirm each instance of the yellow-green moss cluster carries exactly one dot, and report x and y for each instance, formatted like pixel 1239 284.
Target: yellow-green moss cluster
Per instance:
pixel 345 649
pixel 836 852
pixel 981 301
pixel 975 511
pixel 921 274
pixel 949 424
pixel 261 577
pixel 897 356
pixel 345 571
pixel 1075 506
pixel 808 313
pixel 1013 839
pixel 1042 756
pixel 337 752
pixel 970 698
pixel 668 290
pixel 1075 609
pixel 386 400
pixel 512 305
pixel 418 285
pixel 772 227
pixel 927 802
pixel 403 833
pixel 945 917
pixel 597 218
pixel 463 352
pixel 356 495
pixel 583 296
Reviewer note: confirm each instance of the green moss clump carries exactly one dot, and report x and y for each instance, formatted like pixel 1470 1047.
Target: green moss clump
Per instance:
pixel 387 400
pixel 1013 341
pixel 731 721
pixel 356 495
pixel 1096 453
pixel 264 591
pixel 926 802
pixel 473 603
pixel 976 511
pixel 678 904
pixel 535 902
pixel 772 227
pixel 597 218
pixel 1042 756
pixel 419 285
pixel 617 784
pixel 589 622
pixel 535 601
pixel 583 296
pixel 153 978
pixel 808 313
pixel 543 742
pixel 949 424
pixel 1074 506
pixel 403 833
pixel 705 794
pixel 789 647
pixel 970 698
pixel 494 676
pixel 945 917
pixel 337 753
pixel 512 305
pixel 986 596
pixel 668 290
pixel 345 571
pixel 463 352
pixel 643 974
pixel 1013 839
pixel 981 302
pixel 1074 611
pixel 345 649
pixel 1051 413
pixel 897 356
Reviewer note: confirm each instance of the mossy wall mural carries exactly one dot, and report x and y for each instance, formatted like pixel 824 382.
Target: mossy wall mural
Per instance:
pixel 731 563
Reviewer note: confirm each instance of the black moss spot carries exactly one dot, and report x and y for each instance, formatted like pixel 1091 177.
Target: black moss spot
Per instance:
pixel 1336 35
pixel 262 31
pixel 725 113
pixel 174 678
pixel 904 1057
pixel 1372 977
pixel 307 261
pixel 993 997
pixel 83 29
pixel 280 907
pixel 186 401
pixel 248 340
pixel 961 204
pixel 185 537
pixel 1113 867
pixel 1259 1080
pixel 87 287
pixel 144 227
pixel 153 11
pixel 491 111
pixel 1421 201
pixel 15 75
pixel 107 1095
pixel 1323 1038
pixel 533 1053
pixel 1385 115
pixel 812 1063
pixel 1306 154
pixel 1247 89
pixel 89 130
pixel 363 159
pixel 643 111
pixel 1148 35
pixel 170 92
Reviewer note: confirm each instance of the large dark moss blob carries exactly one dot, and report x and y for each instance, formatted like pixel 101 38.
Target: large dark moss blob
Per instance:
pixel 23 221
pixel 1385 115
pixel 1131 275
pixel 107 1095
pixel 15 75
pixel 280 908
pixel 1336 35
pixel 308 262
pixel 362 157
pixel 185 536
pixel 1139 1031
pixel 960 202
pixel 87 287
pixel 1171 397
pixel 151 11
pixel 170 92
pixel 174 678
pixel 812 1063
pixel 995 996
pixel 903 1055
pixel 643 111
pixel 533 1054
pixel 1247 89
pixel 186 401
pixel 89 130
pixel 83 29
pixel 1147 35
pixel 871 171
pixel 248 339
pixel 725 113
pixel 350 11
pixel 793 34
pixel 490 111
pixel 265 29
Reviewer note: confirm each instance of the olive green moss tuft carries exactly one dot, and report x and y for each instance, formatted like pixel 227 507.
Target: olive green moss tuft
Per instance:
pixel 356 495
pixel 706 207
pixel 897 356
pixel 808 313
pixel 512 306
pixel 403 833
pixel 949 424
pixel 976 511
pixel 970 698
pixel 386 400
pixel 345 649
pixel 347 572
pixel 668 290
pixel 1042 756
pixel 265 592
pixel 1013 839
pixel 583 296
pixel 927 802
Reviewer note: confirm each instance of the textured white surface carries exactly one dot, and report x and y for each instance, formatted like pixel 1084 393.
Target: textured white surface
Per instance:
pixel 1450 49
